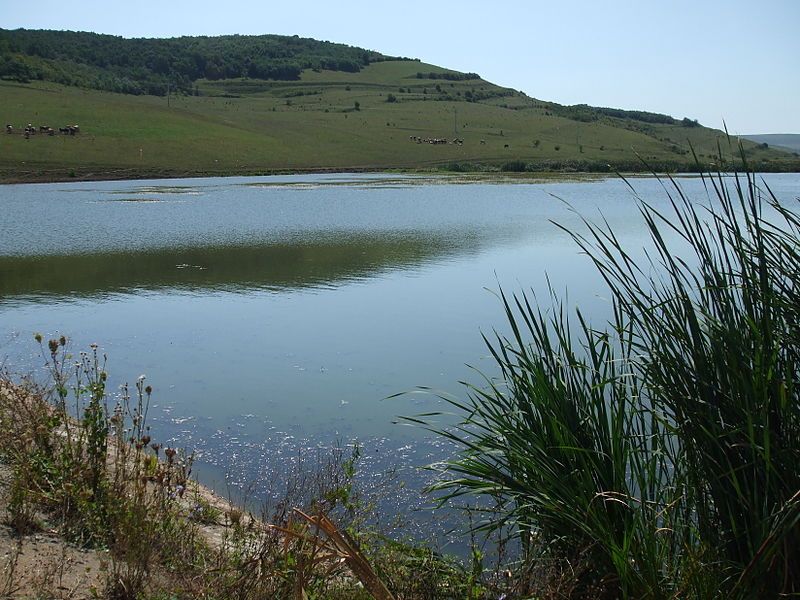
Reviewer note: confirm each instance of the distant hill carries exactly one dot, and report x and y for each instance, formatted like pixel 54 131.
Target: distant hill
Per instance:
pixel 257 104
pixel 789 141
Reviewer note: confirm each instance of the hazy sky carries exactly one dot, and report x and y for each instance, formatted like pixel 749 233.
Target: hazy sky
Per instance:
pixel 713 60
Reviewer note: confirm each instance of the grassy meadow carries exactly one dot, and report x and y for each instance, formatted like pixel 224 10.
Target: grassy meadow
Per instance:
pixel 331 120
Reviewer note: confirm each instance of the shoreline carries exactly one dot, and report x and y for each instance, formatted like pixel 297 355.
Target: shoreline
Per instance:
pixel 64 175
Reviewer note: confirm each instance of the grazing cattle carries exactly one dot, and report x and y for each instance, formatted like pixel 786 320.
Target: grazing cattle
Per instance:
pixel 506 146
pixel 64 130
pixel 434 141
pixel 9 128
pixel 483 142
pixel 43 128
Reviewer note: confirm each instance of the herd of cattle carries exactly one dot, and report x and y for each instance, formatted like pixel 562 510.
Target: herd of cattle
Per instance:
pixel 420 140
pixel 30 130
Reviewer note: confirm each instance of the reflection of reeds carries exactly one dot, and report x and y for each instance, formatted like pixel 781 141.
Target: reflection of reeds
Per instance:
pixel 659 453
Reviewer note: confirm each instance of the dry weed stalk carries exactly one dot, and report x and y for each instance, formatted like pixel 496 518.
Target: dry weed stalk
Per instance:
pixel 335 548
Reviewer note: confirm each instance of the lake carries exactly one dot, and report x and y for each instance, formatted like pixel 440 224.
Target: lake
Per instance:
pixel 275 316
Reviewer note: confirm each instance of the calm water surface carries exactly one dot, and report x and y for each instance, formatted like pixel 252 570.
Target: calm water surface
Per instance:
pixel 276 315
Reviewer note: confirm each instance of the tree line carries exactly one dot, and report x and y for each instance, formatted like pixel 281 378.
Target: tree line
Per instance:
pixel 588 114
pixel 154 66
pixel 448 75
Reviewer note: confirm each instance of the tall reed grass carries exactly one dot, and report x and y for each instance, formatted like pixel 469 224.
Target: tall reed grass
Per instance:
pixel 658 455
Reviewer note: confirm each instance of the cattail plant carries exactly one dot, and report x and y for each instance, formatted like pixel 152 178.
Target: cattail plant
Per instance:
pixel 661 450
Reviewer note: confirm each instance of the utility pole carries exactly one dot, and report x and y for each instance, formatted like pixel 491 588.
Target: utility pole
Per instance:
pixel 167 94
pixel 455 120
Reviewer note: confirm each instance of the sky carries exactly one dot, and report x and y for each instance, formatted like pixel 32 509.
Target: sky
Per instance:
pixel 733 62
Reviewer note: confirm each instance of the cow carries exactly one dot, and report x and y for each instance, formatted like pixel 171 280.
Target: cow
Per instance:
pixel 483 142
pixel 9 128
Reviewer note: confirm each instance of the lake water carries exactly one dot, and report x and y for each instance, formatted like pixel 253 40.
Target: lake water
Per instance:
pixel 274 316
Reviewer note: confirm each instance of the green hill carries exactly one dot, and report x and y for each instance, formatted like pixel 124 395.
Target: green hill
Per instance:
pixel 783 141
pixel 308 105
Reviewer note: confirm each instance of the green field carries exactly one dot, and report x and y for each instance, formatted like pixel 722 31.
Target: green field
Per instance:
pixel 258 126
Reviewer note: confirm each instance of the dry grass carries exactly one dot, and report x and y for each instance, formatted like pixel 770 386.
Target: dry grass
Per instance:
pixel 95 508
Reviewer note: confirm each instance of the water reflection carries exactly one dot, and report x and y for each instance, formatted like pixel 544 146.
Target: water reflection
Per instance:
pixel 327 262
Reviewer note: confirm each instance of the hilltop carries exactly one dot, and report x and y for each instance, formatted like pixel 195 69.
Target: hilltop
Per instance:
pixel 258 104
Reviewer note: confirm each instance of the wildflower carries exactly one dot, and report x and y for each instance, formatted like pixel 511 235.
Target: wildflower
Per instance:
pixel 141 378
pixel 53 345
pixel 62 340
pixel 38 338
pixel 148 390
pixel 93 346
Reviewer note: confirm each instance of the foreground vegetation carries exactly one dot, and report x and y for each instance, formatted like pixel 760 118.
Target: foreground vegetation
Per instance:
pixel 203 107
pixel 655 457
pixel 89 472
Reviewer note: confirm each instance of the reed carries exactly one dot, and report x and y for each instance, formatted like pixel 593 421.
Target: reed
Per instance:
pixel 660 451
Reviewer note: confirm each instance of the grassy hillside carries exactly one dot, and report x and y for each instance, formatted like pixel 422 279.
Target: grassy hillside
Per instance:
pixel 338 120
pixel 783 141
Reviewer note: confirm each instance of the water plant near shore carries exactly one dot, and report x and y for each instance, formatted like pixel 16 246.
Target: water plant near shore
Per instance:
pixel 657 456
